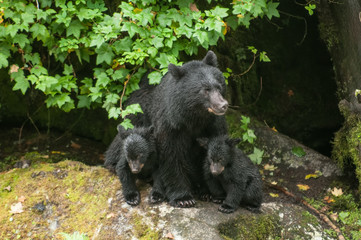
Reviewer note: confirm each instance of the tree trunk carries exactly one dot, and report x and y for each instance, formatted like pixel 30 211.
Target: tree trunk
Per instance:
pixel 340 28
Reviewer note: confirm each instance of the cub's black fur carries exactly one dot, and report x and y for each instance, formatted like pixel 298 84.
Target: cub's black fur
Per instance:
pixel 230 175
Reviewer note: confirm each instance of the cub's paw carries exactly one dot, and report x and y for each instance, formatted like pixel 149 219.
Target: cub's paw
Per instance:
pixel 133 198
pixel 156 197
pixel 185 202
pixel 224 208
pixel 205 197
pixel 217 200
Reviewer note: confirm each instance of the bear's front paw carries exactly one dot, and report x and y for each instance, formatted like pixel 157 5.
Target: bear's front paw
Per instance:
pixel 133 199
pixel 185 202
pixel 224 208
pixel 156 197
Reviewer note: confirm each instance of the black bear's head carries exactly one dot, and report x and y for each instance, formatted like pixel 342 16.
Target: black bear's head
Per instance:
pixel 219 152
pixel 137 147
pixel 201 84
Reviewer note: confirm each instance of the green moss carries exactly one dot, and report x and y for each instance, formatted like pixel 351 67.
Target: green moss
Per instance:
pixel 347 144
pixel 75 195
pixel 141 230
pixel 251 227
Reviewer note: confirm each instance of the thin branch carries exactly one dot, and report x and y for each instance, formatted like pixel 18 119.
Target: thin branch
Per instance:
pixel 306 204
pixel 297 17
pixel 248 69
pixel 259 93
pixel 72 126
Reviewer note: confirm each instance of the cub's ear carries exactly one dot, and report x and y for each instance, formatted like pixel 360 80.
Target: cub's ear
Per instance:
pixel 233 142
pixel 210 59
pixel 203 142
pixel 122 131
pixel 176 71
pixel 149 131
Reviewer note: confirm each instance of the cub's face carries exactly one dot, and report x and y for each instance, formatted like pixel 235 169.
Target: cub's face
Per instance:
pixel 136 151
pixel 216 157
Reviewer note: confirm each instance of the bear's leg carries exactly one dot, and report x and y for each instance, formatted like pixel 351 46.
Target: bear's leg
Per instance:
pixel 176 165
pixel 217 192
pixel 253 196
pixel 235 194
pixel 157 192
pixel 127 179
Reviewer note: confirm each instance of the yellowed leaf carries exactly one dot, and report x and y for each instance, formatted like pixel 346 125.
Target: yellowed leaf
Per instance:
pixel 274 195
pixel 334 216
pixel 169 236
pixel 14 68
pixel 269 167
pixel 274 183
pixel 274 129
pixel 314 175
pixel 303 187
pixel 8 188
pixel 193 7
pixel 111 215
pixel 16 208
pixel 22 199
pixel 336 192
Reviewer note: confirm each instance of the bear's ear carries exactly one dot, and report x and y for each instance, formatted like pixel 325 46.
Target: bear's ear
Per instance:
pixel 176 71
pixel 203 142
pixel 233 142
pixel 210 59
pixel 121 129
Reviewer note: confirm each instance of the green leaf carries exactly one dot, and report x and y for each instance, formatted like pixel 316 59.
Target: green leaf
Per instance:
pixel 21 82
pixel 39 30
pixel 39 70
pixel 120 74
pixel 256 156
pixel 272 10
pixel 123 45
pixel 105 54
pixel 132 109
pixel 155 77
pixel 245 120
pixel 127 124
pixel 84 101
pixel 114 112
pixel 3 61
pixel 75 28
pixel 21 39
pixel 298 151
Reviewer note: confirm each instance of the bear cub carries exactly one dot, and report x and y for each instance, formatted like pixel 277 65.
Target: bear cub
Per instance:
pixel 231 177
pixel 135 156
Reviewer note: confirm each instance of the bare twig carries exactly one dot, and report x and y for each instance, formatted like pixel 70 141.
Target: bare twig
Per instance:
pixel 248 69
pixel 259 93
pixel 306 204
pixel 297 17
pixel 72 126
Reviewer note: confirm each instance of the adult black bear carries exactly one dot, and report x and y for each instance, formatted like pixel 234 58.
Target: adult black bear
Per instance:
pixel 134 153
pixel 230 175
pixel 188 103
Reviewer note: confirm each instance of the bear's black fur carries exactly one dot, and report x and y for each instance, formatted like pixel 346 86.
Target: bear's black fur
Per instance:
pixel 230 175
pixel 188 103
pixel 136 158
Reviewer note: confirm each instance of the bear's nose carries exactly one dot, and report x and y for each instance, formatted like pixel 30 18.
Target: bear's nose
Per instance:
pixel 224 106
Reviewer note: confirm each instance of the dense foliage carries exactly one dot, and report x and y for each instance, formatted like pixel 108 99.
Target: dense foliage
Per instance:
pixel 83 54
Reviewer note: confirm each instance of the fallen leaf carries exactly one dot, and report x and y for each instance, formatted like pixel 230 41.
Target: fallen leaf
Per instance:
pixel 111 215
pixel 290 93
pixel 16 208
pixel 298 151
pixel 75 145
pixel 269 167
pixel 274 194
pixel 274 129
pixel 274 183
pixel 8 188
pixel 303 187
pixel 336 192
pixel 22 199
pixel 334 216
pixel 169 236
pixel 317 174
pixel 328 199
